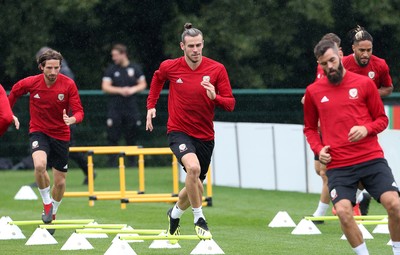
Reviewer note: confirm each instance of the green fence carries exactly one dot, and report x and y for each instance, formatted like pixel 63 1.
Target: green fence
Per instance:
pixel 271 106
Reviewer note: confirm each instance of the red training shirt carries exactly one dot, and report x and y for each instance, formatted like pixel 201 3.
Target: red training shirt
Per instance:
pixel 377 70
pixel 6 115
pixel 190 109
pixel 354 102
pixel 47 104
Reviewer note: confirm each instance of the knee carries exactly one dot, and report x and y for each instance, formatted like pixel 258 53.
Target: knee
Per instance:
pixel 393 207
pixel 344 212
pixel 40 165
pixel 193 170
pixel 59 183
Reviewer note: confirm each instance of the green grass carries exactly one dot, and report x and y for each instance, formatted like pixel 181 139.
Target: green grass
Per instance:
pixel 238 219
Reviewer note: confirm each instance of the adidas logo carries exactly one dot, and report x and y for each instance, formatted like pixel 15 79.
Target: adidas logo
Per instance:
pixel 324 99
pixel 36 96
pixel 66 166
pixel 179 80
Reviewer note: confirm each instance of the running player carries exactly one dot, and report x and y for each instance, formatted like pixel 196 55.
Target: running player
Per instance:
pixel 6 115
pixel 320 169
pixel 351 114
pixel 52 95
pixel 363 62
pixel 197 85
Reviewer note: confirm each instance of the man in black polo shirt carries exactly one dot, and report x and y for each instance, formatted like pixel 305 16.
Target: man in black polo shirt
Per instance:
pixel 122 80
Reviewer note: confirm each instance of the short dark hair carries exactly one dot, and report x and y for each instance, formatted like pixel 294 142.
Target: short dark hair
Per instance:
pixel 49 55
pixel 332 37
pixel 189 30
pixel 121 48
pixel 324 45
pixel 359 34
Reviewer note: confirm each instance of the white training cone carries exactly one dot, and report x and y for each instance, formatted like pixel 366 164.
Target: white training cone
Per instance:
pixel 306 227
pixel 4 220
pixel 207 247
pixel 381 228
pixel 8 232
pixel 120 247
pixel 390 242
pixel 163 244
pixel 25 193
pixel 94 235
pixel 41 236
pixel 366 234
pixel 281 220
pixel 76 242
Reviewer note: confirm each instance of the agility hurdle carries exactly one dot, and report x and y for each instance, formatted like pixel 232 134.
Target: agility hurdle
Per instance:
pixel 132 196
pixel 142 198
pixel 78 226
pixel 373 222
pixel 180 237
pixel 362 217
pixel 91 150
pixel 121 231
pixel 38 222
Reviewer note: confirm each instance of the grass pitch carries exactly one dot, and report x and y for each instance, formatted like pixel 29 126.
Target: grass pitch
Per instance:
pixel 238 219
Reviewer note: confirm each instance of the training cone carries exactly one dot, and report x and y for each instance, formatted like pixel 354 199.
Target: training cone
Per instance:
pixel 381 228
pixel 281 220
pixel 76 242
pixel 120 247
pixel 366 234
pixel 25 193
pixel 207 247
pixel 41 236
pixel 4 220
pixel 306 227
pixel 8 232
pixel 163 244
pixel 94 235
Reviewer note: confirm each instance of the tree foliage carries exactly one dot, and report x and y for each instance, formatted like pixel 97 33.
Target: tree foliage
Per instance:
pixel 263 43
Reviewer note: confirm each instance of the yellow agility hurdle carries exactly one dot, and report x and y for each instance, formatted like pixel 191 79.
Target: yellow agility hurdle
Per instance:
pixel 124 195
pixel 170 198
pixel 91 150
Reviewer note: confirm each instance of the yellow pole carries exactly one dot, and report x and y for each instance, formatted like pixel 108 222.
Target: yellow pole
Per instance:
pixel 209 183
pixel 122 186
pixel 90 176
pixel 141 174
pixel 175 175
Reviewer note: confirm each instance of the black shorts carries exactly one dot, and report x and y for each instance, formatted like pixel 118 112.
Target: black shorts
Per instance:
pixel 375 175
pixel 57 151
pixel 182 144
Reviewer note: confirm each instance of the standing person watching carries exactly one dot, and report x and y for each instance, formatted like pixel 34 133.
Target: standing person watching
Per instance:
pixel 122 80
pixel 52 96
pixel 197 85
